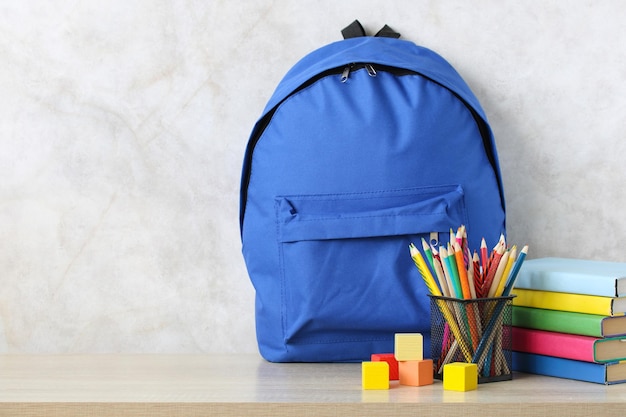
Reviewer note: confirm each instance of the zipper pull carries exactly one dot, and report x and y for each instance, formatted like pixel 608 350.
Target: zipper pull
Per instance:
pixel 434 239
pixel 346 73
pixel 370 70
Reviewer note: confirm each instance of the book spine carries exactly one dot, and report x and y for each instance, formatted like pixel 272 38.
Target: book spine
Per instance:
pixel 618 306
pixel 559 367
pixel 562 345
pixel 620 287
pixel 557 321
pixel 578 303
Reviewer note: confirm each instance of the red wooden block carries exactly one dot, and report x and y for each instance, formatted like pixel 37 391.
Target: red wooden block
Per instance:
pixel 391 360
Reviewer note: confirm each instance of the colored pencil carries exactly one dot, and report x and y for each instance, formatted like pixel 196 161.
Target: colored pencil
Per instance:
pixel 460 264
pixel 478 276
pixel 471 311
pixel 443 284
pixel 502 263
pixel 507 271
pixel 424 270
pixel 451 274
pixel 445 273
pixel 471 271
pixel 493 267
pixel 515 271
pixel 483 256
pixel 428 252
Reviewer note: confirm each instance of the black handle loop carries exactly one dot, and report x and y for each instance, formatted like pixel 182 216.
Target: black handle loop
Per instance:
pixel 387 32
pixel 355 30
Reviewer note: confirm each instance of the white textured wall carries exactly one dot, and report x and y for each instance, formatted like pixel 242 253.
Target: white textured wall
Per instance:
pixel 123 125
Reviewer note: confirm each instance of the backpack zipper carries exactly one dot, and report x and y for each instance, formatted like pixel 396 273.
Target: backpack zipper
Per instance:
pixel 344 76
pixel 346 73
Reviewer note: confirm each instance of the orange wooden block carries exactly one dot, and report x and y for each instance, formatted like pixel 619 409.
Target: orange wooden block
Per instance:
pixel 391 360
pixel 416 373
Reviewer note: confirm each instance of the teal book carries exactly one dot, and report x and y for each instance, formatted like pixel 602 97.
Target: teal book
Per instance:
pixel 577 276
pixel 600 373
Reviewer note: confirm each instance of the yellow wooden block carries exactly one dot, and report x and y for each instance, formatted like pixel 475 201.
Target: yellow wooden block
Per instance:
pixel 409 347
pixel 459 376
pixel 375 375
pixel 391 360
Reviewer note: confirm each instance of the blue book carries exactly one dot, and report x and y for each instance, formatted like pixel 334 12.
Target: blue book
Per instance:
pixel 577 276
pixel 601 373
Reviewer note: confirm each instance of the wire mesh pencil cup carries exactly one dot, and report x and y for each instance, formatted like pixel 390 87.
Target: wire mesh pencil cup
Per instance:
pixel 472 331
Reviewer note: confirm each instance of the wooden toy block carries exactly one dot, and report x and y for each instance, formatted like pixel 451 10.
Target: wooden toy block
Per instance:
pixel 375 375
pixel 416 373
pixel 409 347
pixel 460 376
pixel 391 360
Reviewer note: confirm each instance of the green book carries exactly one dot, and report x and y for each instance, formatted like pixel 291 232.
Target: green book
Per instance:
pixel 568 322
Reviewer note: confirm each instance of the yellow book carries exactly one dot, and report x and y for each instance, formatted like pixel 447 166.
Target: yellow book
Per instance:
pixel 578 303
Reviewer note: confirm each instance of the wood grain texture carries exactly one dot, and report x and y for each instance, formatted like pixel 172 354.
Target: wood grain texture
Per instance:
pixel 229 385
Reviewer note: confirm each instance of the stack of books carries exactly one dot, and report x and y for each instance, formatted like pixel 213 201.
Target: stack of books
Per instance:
pixel 568 319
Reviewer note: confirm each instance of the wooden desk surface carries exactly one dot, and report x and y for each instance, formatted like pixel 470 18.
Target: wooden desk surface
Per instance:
pixel 228 385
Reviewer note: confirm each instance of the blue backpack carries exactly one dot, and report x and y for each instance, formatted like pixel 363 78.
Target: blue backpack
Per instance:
pixel 366 145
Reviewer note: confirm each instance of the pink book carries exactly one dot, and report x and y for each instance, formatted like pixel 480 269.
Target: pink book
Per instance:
pixel 568 346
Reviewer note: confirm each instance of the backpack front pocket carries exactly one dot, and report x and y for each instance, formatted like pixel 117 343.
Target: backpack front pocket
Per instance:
pixel 346 272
